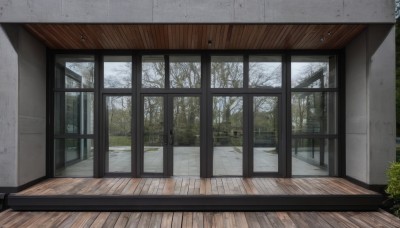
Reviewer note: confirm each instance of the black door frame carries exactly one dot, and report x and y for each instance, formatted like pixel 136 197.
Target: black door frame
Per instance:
pixel 167 137
pixel 205 92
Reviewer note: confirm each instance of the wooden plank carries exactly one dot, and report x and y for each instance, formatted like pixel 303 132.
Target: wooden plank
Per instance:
pixel 229 219
pixel 122 219
pixel 187 219
pixel 177 220
pixel 145 219
pixel 198 220
pixel 85 219
pixel 167 219
pixel 112 219
pixel 263 219
pixel 218 219
pixel 252 220
pixel 156 219
pixel 100 220
pixel 134 219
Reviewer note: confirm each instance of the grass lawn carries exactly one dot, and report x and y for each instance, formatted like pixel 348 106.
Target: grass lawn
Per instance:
pixel 120 140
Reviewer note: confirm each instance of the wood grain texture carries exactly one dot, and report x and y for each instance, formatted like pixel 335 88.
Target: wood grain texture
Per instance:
pixel 196 186
pixel 198 219
pixel 196 36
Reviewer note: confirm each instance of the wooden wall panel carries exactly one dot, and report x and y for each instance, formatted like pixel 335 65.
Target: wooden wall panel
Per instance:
pixel 195 36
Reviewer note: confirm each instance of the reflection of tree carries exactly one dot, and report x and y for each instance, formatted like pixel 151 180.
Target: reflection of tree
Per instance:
pixel 119 115
pixel 153 74
pixel 265 121
pixel 153 121
pixel 117 75
pixel 228 120
pixel 265 74
pixel 85 70
pixel 308 112
pixel 226 74
pixel 186 116
pixel 311 75
pixel 185 74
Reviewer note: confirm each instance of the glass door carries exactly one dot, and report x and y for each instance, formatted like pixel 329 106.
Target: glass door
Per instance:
pixel 184 135
pixel 154 134
pixel 118 134
pixel 265 134
pixel 171 135
pixel 227 135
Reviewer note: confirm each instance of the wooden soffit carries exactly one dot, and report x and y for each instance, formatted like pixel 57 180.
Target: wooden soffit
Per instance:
pixel 196 36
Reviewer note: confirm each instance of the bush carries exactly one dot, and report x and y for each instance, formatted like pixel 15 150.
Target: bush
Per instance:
pixel 393 188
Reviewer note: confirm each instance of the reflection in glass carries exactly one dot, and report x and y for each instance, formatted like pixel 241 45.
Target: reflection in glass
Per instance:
pixel 119 142
pixel 73 157
pixel 153 136
pixel 153 71
pixel 186 136
pixel 314 112
pixel 265 134
pixel 265 71
pixel 185 71
pixel 73 113
pixel 313 72
pixel 226 72
pixel 227 135
pixel 117 72
pixel 314 157
pixel 74 71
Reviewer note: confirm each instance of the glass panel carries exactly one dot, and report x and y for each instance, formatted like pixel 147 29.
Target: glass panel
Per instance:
pixel 117 72
pixel 153 137
pixel 73 113
pixel 265 134
pixel 153 71
pixel 185 71
pixel 313 71
pixel 228 136
pixel 74 71
pixel 73 157
pixel 265 71
pixel 314 112
pixel 186 136
pixel 314 157
pixel 226 72
pixel 119 143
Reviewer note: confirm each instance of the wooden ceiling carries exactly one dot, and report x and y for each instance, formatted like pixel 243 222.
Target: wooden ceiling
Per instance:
pixel 195 36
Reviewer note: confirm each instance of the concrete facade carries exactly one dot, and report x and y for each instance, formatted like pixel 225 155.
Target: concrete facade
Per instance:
pixel 370 69
pixel 194 11
pixel 23 107
pixel 370 104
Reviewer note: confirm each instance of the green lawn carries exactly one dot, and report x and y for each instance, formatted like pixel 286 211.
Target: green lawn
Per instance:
pixel 120 140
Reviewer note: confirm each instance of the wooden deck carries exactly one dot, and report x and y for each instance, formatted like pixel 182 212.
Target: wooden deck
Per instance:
pixel 195 194
pixel 11 218
pixel 195 186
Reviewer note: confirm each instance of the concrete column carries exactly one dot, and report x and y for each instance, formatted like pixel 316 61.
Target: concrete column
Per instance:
pixel 8 107
pixel 370 104
pixel 23 107
pixel 32 109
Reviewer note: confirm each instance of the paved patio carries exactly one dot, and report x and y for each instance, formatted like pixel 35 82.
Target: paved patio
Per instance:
pixel 227 161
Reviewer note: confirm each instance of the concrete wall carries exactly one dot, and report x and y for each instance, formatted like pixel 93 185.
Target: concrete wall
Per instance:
pixel 370 104
pixel 8 107
pixel 195 11
pixel 23 107
pixel 32 109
